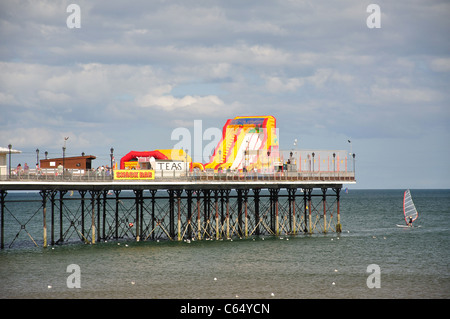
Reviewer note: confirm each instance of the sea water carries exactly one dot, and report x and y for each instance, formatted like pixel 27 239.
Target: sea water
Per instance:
pixel 412 262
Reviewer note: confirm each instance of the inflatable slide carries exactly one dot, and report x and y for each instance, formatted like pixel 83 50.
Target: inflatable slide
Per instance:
pixel 248 142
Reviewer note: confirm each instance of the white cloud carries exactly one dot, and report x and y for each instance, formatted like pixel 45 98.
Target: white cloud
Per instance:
pixel 440 65
pixel 404 95
pixel 207 105
pixel 52 97
pixel 276 84
pixel 7 99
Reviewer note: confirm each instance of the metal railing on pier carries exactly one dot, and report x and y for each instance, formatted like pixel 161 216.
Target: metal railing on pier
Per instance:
pixel 107 175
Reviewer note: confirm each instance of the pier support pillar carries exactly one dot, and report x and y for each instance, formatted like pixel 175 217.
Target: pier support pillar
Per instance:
pixel 61 207
pixel 52 222
pixel 44 216
pixel 216 206
pixel 94 196
pixel 206 210
pixel 138 199
pixel 305 208
pixel 309 209
pixel 245 193
pixel 116 215
pixel 239 212
pixel 82 194
pixel 178 193
pixel 292 221
pixel 274 210
pixel 98 216
pixel 153 192
pixel 256 201
pixel 3 194
pixel 105 194
pixel 338 225
pixel 189 212
pixel 227 205
pixel 199 225
pixel 324 200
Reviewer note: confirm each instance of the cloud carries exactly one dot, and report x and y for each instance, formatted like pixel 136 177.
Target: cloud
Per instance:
pixel 207 105
pixel 276 84
pixel 440 64
pixel 403 95
pixel 51 139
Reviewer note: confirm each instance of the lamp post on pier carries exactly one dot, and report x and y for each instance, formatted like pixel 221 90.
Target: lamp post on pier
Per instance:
pixel 354 169
pixel 112 157
pixel 64 154
pixel 9 148
pixel 334 163
pixel 64 160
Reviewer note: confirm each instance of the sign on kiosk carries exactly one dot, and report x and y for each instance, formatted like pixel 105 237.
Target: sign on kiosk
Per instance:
pixel 134 174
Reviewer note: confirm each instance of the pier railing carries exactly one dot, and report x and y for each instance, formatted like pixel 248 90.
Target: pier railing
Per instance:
pixel 107 175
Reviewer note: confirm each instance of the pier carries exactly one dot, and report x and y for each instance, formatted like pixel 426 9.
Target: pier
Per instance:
pixel 207 206
pixel 249 187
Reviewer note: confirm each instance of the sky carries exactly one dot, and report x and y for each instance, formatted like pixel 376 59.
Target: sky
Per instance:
pixel 135 71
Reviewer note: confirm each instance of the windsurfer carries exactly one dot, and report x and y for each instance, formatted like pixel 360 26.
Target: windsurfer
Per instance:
pixel 410 221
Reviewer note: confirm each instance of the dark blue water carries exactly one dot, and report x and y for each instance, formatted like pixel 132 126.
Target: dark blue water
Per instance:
pixel 413 263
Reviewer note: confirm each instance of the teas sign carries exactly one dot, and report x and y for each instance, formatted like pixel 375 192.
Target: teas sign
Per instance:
pixel 134 174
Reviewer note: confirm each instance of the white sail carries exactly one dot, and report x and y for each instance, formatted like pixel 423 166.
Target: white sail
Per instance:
pixel 409 209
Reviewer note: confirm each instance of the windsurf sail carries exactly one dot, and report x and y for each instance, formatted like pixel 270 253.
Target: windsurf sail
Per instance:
pixel 409 209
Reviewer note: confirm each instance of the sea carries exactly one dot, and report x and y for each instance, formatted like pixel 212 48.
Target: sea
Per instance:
pixel 371 258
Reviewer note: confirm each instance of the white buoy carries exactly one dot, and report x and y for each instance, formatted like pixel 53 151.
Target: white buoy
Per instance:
pixel 333 283
pixel 215 279
pixel 49 287
pixel 272 294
